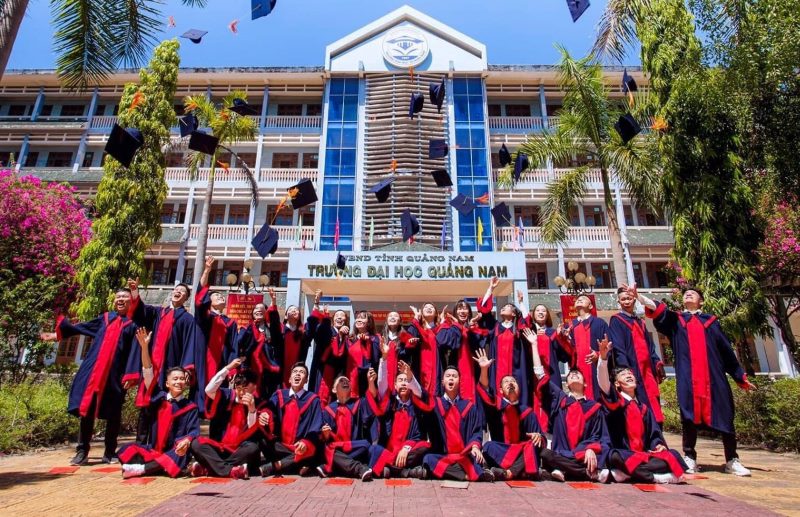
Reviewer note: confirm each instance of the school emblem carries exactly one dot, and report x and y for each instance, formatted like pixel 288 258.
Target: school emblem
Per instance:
pixel 405 47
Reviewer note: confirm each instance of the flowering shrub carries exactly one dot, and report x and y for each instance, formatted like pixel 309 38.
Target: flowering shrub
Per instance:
pixel 779 253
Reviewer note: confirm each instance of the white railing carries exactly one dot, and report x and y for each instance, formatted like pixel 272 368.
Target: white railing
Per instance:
pixel 544 176
pixel 103 122
pixel 552 122
pixel 587 234
pixel 532 236
pixel 238 232
pixel 293 121
pixel 593 175
pixel 287 175
pixel 518 123
pixel 267 175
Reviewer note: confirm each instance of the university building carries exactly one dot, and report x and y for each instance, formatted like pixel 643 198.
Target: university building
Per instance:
pixel 345 125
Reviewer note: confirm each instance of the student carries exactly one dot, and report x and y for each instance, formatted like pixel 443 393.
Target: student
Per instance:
pixel 425 326
pixel 295 418
pixel 256 343
pixel 328 353
pixel 580 441
pixel 639 450
pixel 584 333
pixel 111 366
pixel 703 355
pixel 400 343
pixel 456 435
pixel 231 449
pixel 401 446
pixel 513 451
pixel 554 348
pixel 293 342
pixel 363 352
pixel 217 330
pixel 347 431
pixel 634 349
pixel 458 339
pixel 175 423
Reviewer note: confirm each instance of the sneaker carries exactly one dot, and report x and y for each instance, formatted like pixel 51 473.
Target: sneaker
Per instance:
pixel 691 465
pixel 619 475
pixel 240 472
pixel 500 474
pixel 557 475
pixel 197 471
pixel 603 476
pixel 487 476
pixel 663 479
pixel 735 467
pixel 367 475
pixel 110 459
pixel 267 470
pixel 132 470
pixel 321 471
pixel 387 473
pixel 304 470
pixel 80 458
pixel 417 472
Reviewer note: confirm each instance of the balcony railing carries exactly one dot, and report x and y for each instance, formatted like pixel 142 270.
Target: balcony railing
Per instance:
pixel 591 236
pixel 522 124
pixel 238 233
pixel 543 176
pixel 293 122
pixel 266 175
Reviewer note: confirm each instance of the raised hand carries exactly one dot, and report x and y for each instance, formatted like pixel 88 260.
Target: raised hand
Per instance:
pixel 482 359
pixel 403 367
pixel 604 346
pixel 451 318
pixel 529 335
pixel 133 287
pixel 317 296
pixel 372 376
pixel 48 336
pixel 443 314
pixel 272 296
pixel 417 313
pixel 493 283
pixel 210 262
pixel 235 364
pixel 475 319
pixel 143 337
pixel 385 349
pixel 520 297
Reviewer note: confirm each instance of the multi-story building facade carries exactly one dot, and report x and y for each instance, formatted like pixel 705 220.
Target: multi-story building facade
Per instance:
pixel 343 125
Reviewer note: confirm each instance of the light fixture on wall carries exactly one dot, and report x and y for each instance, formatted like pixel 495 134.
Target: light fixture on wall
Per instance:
pixel 576 283
pixel 245 281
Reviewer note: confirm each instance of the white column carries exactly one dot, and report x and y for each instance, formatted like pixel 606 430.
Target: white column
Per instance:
pixel 82 146
pixel 453 218
pixel 785 359
pixel 562 269
pixel 623 230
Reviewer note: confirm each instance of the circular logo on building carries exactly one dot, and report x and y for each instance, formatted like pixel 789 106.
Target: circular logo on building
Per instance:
pixel 405 47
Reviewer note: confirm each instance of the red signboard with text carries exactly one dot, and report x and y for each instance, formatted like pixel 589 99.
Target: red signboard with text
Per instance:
pixel 568 312
pixel 240 307
pixel 380 316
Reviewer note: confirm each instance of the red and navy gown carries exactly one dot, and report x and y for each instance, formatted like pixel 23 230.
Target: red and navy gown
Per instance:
pixel 425 357
pixel 326 361
pixel 703 355
pixel 399 425
pixel 583 338
pixel 174 420
pixel 291 346
pixel 458 427
pixel 258 349
pixel 294 419
pixel 362 354
pixel 112 360
pixel 633 348
pixel 218 331
pixel 176 341
pixel 457 346
pixel 510 447
pixel 634 432
pixel 553 349
pixel 511 353
pixel 352 429
pixel 399 350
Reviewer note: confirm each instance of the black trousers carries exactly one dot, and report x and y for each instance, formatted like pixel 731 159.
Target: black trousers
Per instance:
pixel 690 441
pixel 143 425
pixel 86 430
pixel 219 463
pixel 151 468
pixel 572 468
pixel 644 472
pixel 346 466
pixel 414 459
pixel 282 457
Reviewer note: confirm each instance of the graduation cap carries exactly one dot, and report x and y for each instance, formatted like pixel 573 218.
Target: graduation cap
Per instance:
pixel 502 216
pixel 194 35
pixel 504 155
pixel 261 8
pixel 187 124
pixel 577 8
pixel 628 83
pixel 441 178
pixel 203 143
pixel 341 261
pixel 520 164
pixel 437 92
pixel 302 194
pixel 417 102
pixel 464 204
pixel 627 127
pixel 409 224
pixel 437 148
pixel 265 241
pixel 383 189
pixel 240 107
pixel 123 143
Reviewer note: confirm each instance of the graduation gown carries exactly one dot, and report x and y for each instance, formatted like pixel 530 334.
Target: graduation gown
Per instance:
pixel 174 420
pixel 352 430
pixel 326 360
pixel 112 360
pixel 633 348
pixel 457 344
pixel 508 427
pixel 399 350
pixel 703 355
pixel 258 349
pixel 399 425
pixel 228 427
pixel 218 331
pixel 578 426
pixel 291 346
pixel 553 349
pixel 583 338
pixel 362 354
pixel 458 427
pixel 296 419
pixel 425 358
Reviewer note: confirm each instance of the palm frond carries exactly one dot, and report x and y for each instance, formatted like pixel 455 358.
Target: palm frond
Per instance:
pixel 616 30
pixel 585 94
pixel 562 194
pixel 635 166
pixel 195 3
pixel 134 26
pixel 194 160
pixel 83 30
pixel 251 177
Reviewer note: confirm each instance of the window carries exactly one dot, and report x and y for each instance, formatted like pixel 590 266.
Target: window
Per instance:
pixel 284 218
pixel 59 159
pixel 5 158
pixel 284 161
pixel 537 276
pixel 238 214
pixel 175 160
pixel 626 209
pixel 530 215
pixel 553 110
pixel 31 159
pixel 216 215
pixel 220 276
pixel 168 214
pixel 248 159
pixel 637 274
pixel 47 110
pixel 290 110
pixel 594 216
pixel 310 160
pixel 17 110
pixel 277 273
pixel 604 275
pixel 116 110
pixel 72 110
pixel 494 110
pixel 307 215
pixel 88 159
pixel 99 110
pixel 68 347
pixel 656 277
pixel 648 218
pixel 574 218
pixel 314 110
pixel 518 110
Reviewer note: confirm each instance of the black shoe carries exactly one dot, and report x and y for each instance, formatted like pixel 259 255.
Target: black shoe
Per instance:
pixel 267 470
pixel 81 458
pixel 321 471
pixel 387 473
pixel 110 459
pixel 500 474
pixel 416 473
pixel 367 475
pixel 487 476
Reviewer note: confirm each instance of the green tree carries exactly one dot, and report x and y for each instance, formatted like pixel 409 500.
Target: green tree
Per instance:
pixel 129 199
pixel 230 128
pixel 586 127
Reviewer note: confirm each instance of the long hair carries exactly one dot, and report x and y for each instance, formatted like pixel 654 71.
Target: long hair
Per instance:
pixel 286 315
pixel 370 323
pixel 548 319
pixel 463 303
pixel 435 312
pixel 386 329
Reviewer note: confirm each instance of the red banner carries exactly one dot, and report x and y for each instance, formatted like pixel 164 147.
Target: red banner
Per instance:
pixel 380 316
pixel 568 312
pixel 240 307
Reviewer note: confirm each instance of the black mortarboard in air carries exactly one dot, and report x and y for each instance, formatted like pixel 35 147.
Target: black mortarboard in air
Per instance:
pixel 265 241
pixel 383 189
pixel 240 107
pixel 627 127
pixel 464 204
pixel 187 124
pixel 417 103
pixel 203 143
pixel 194 35
pixel 628 83
pixel 437 148
pixel 504 156
pixel 502 216
pixel 123 143
pixel 441 178
pixel 302 194
pixel 437 92
pixel 577 8
pixel 409 224
pixel 341 261
pixel 261 8
pixel 520 164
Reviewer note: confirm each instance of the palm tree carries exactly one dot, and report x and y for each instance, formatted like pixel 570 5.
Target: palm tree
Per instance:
pixel 92 37
pixel 230 128
pixel 586 127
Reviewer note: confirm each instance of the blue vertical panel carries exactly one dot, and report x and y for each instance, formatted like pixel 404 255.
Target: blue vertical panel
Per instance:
pixel 338 196
pixel 472 172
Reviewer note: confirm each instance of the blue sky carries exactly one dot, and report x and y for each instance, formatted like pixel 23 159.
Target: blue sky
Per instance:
pixel 296 33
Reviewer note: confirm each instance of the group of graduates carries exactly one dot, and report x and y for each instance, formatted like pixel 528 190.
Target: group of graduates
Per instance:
pixel 452 395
